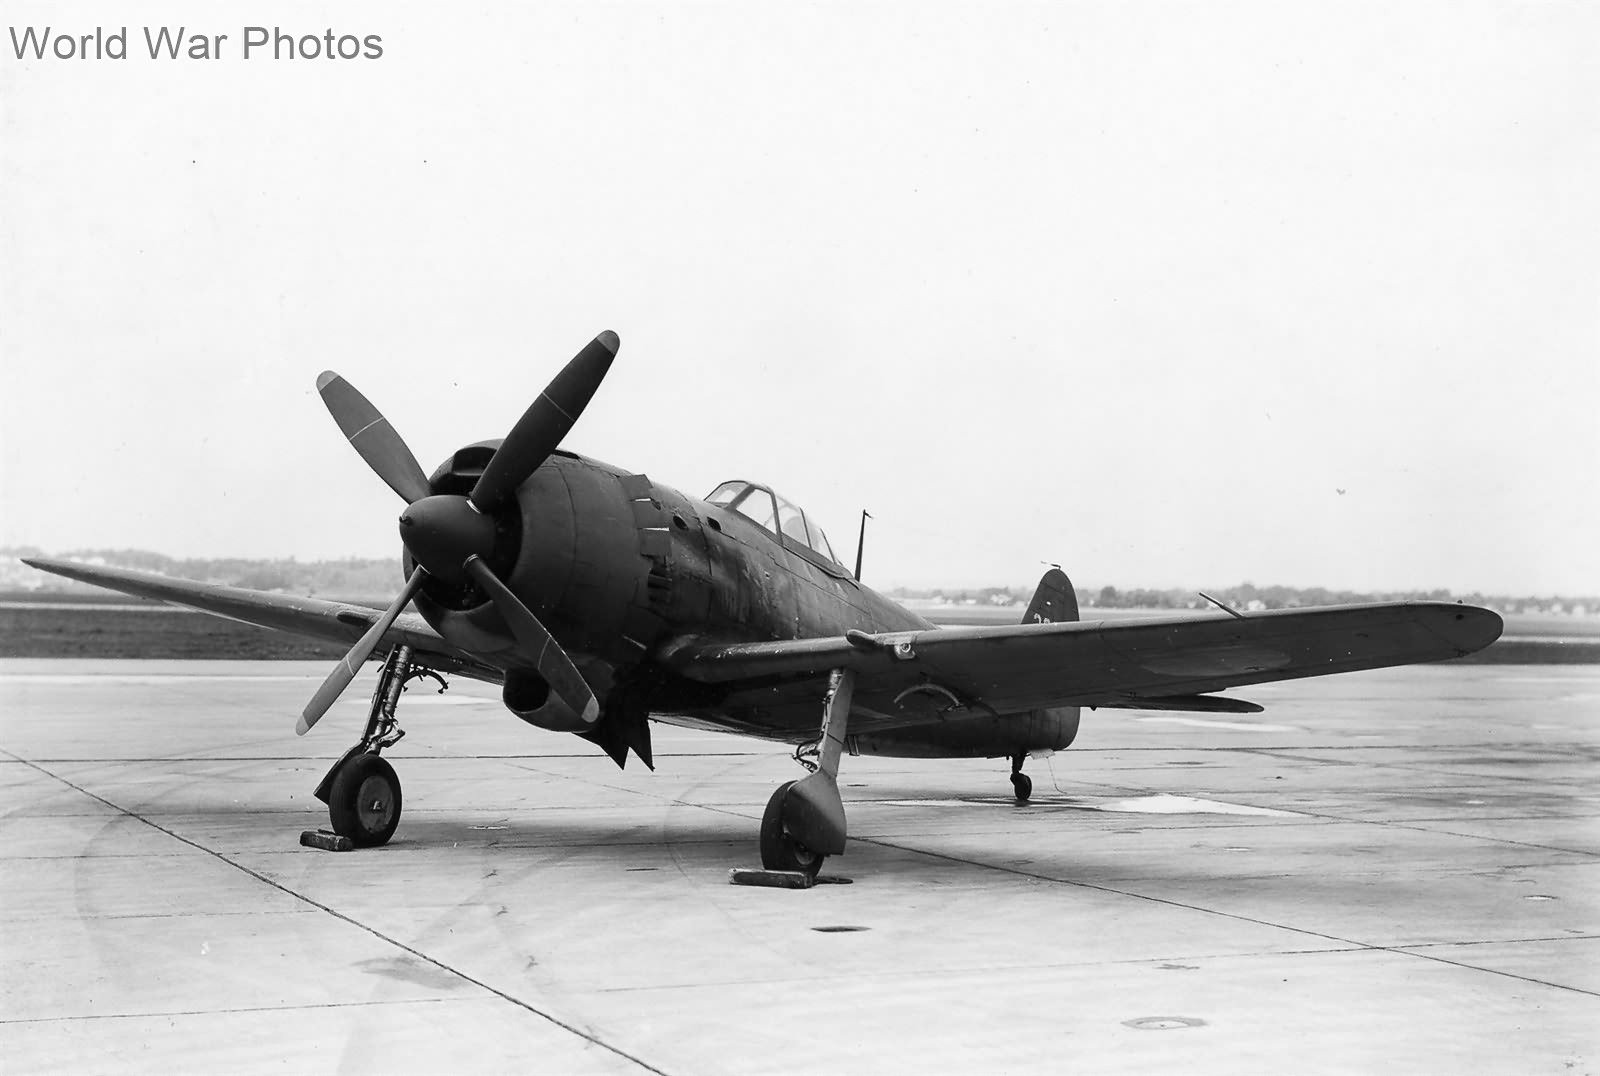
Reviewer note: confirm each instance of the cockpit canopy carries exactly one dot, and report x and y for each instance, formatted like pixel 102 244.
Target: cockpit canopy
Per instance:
pixel 767 509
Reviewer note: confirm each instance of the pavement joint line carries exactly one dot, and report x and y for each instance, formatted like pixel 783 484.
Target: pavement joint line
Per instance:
pixel 164 1013
pixel 1409 824
pixel 1309 752
pixel 983 969
pixel 1593 819
pixel 1285 755
pixel 587 1036
pixel 1495 840
pixel 1436 772
pixel 990 969
pixel 1502 941
pixel 118 917
pixel 1399 950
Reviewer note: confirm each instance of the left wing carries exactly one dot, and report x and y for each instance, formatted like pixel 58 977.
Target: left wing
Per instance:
pixel 1167 662
pixel 334 622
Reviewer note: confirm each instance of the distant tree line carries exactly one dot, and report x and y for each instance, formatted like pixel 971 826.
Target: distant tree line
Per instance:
pixel 1248 596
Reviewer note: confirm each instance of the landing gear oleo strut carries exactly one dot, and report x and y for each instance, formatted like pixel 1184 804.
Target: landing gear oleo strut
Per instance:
pixel 361 790
pixel 804 822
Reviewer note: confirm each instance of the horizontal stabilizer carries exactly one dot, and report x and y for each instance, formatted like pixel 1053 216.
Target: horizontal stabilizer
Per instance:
pixel 1200 704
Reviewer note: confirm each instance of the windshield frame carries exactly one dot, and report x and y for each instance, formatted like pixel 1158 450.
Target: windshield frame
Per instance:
pixel 736 496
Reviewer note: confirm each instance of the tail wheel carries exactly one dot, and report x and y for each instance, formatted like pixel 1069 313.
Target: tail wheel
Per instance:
pixel 1022 784
pixel 779 851
pixel 364 801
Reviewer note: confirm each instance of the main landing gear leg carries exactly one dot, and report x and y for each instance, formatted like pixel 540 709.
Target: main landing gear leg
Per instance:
pixel 804 821
pixel 361 790
pixel 1021 783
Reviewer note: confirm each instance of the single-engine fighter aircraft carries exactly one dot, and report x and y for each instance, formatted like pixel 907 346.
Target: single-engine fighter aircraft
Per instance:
pixel 601 600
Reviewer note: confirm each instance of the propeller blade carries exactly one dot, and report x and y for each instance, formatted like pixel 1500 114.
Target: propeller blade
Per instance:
pixel 345 671
pixel 551 661
pixel 545 423
pixel 366 428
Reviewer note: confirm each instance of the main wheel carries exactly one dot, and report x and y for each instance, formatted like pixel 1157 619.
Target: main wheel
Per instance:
pixel 779 851
pixel 364 801
pixel 1023 784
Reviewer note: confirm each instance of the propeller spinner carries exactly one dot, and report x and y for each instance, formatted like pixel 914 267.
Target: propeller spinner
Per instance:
pixel 450 536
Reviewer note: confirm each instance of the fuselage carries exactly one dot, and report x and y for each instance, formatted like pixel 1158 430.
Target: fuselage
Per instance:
pixel 620 568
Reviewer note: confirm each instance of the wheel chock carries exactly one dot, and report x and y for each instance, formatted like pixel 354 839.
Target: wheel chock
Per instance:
pixel 770 879
pixel 782 879
pixel 327 840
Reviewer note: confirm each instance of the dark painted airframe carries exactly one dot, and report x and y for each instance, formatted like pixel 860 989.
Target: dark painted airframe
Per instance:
pixel 601 600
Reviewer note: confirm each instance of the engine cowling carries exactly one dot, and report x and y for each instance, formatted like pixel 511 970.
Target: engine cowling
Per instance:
pixel 567 545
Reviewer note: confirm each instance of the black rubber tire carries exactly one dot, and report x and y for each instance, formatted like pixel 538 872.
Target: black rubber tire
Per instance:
pixel 1022 784
pixel 779 851
pixel 364 801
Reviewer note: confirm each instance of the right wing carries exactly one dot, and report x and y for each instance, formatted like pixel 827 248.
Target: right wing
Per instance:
pixel 1169 663
pixel 315 618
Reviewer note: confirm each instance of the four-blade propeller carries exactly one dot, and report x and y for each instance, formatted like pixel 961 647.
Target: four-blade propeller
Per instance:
pixel 451 536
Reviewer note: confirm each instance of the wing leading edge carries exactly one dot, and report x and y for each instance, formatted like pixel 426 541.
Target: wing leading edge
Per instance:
pixel 315 618
pixel 1015 668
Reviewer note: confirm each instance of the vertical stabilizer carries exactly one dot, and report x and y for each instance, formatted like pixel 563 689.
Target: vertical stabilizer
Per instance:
pixel 1054 602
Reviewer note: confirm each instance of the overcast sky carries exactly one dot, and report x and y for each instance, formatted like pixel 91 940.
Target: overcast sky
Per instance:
pixel 1183 294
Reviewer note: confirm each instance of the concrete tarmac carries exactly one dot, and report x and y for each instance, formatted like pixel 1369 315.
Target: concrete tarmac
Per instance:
pixel 1397 871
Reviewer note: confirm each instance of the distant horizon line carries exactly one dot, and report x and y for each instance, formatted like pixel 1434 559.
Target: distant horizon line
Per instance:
pixel 19 551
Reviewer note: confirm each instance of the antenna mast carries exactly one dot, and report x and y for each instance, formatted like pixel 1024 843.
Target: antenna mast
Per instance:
pixel 861 541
